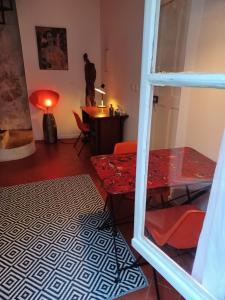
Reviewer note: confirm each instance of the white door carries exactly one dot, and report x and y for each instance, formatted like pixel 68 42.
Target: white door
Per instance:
pixel 164 118
pixel 170 57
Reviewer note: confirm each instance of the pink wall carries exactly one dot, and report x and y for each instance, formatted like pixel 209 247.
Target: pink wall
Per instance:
pixel 121 32
pixel 81 18
pixel 118 28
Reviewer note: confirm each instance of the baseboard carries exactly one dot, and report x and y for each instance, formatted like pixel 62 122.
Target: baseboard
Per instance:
pixel 18 152
pixel 60 137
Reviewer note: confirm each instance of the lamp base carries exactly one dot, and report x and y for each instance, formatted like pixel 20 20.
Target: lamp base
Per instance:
pixel 49 128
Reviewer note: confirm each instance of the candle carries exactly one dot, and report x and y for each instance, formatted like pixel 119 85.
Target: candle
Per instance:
pixel 102 103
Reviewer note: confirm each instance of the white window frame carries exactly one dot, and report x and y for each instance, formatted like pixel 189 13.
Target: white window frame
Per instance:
pixel 182 281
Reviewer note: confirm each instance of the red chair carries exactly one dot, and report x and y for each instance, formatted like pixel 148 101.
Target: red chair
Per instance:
pixel 122 148
pixel 125 147
pixel 84 130
pixel 177 226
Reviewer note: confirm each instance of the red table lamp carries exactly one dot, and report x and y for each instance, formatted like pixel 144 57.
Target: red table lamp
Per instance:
pixel 46 100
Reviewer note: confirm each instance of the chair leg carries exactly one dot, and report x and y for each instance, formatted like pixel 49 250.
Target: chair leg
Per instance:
pixel 82 147
pixel 77 140
pixel 156 283
pixel 85 141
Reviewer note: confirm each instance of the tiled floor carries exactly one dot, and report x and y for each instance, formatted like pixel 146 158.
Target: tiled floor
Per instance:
pixel 59 160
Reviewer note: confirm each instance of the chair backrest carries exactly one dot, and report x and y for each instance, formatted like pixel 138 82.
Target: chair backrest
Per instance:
pixel 125 147
pixel 80 124
pixel 186 233
pixel 178 226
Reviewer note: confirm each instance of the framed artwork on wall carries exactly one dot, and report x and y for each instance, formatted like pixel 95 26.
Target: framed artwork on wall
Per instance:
pixel 52 48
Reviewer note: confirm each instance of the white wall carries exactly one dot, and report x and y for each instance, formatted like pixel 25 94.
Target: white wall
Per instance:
pixel 81 18
pixel 202 111
pixel 121 29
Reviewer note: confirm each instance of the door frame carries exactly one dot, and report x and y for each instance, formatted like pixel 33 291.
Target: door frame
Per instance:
pixel 175 275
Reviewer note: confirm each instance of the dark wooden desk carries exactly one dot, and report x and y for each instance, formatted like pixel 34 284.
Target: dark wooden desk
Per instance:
pixel 106 131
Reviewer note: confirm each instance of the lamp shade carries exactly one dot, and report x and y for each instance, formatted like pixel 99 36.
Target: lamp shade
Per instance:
pixel 101 89
pixel 44 99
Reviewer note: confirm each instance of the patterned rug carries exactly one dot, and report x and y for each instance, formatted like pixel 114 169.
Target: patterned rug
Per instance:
pixel 50 248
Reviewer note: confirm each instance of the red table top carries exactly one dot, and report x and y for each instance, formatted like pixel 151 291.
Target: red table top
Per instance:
pixel 167 167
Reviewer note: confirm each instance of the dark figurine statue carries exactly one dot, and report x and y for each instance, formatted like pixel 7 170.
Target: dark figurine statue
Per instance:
pixel 90 76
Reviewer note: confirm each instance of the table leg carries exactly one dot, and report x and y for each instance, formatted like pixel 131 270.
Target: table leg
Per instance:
pixel 188 193
pixel 115 232
pixel 195 194
pixel 191 196
pixel 108 222
pixel 156 284
pixel 106 202
pixel 136 264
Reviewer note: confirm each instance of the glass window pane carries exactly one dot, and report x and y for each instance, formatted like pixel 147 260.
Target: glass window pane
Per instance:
pixel 190 36
pixel 187 128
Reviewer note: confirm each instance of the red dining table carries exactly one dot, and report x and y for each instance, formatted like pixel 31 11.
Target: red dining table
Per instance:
pixel 167 168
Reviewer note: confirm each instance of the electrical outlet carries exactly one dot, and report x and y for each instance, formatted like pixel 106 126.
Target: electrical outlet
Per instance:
pixel 155 99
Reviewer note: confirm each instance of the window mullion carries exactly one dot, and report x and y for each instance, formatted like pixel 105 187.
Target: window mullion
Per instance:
pixel 204 80
pixel 151 21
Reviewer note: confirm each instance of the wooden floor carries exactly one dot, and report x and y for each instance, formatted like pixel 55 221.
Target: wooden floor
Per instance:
pixel 59 160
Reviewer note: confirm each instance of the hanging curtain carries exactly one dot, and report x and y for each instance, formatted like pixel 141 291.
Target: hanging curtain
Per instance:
pixel 209 264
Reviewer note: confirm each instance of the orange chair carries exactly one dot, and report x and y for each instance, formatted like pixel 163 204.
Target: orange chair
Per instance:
pixel 125 147
pixel 177 226
pixel 84 130
pixel 122 148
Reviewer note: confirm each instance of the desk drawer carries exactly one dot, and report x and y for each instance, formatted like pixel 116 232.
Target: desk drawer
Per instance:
pixel 105 133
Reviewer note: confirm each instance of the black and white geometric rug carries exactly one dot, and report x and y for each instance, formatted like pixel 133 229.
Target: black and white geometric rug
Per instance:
pixel 50 248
